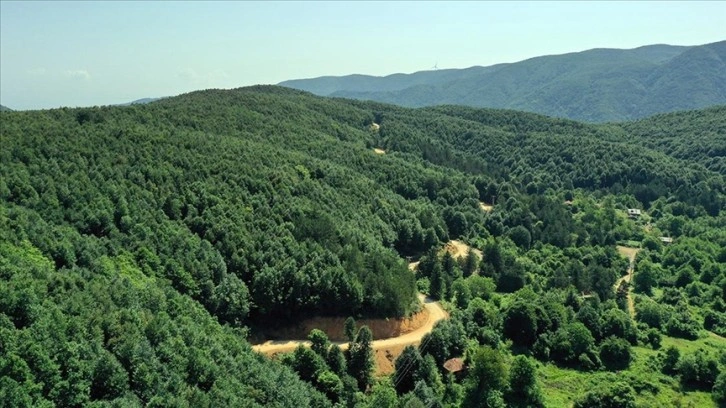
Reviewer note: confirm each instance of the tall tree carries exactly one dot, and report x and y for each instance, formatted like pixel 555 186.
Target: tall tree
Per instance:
pixel 360 358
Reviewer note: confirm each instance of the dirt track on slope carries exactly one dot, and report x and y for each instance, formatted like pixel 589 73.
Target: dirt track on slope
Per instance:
pixel 435 314
pixel 629 253
pixel 388 349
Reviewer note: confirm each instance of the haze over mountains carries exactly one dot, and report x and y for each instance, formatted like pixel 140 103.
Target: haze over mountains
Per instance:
pixel 597 85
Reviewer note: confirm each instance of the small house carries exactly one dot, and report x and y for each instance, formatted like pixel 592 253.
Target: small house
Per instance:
pixel 633 212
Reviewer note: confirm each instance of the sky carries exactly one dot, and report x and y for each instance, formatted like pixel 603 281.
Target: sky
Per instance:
pixel 86 53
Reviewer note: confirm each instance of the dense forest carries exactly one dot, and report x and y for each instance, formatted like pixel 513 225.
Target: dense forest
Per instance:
pixel 597 85
pixel 140 244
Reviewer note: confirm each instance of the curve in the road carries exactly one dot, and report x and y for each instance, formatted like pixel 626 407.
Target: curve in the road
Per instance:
pixel 435 312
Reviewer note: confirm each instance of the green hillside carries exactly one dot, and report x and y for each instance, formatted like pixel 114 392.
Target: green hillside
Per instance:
pixel 597 85
pixel 141 245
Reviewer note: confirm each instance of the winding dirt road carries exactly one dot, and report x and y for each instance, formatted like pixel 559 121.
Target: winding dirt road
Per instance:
pixel 435 314
pixel 630 253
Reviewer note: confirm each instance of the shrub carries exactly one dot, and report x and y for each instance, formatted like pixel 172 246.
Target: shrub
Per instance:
pixel 615 353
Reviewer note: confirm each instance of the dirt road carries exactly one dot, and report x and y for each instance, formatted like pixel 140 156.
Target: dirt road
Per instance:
pixel 629 253
pixel 435 313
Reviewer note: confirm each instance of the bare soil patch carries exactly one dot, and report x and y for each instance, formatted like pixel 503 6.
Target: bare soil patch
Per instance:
pixel 379 151
pixel 459 249
pixel 386 359
pixel 386 350
pixel 333 327
pixel 485 207
pixel 375 126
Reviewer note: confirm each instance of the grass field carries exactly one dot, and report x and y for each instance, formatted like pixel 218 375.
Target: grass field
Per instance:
pixel 562 386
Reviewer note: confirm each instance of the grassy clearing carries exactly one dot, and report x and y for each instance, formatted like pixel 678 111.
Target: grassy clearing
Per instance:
pixel 562 386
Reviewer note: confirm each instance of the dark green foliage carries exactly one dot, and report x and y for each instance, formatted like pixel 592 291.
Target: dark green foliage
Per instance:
pixel 615 353
pixel 591 318
pixel 100 338
pixel 446 340
pixel 618 395
pixel 654 338
pixel 645 278
pixel 329 384
pixel 521 323
pixel 520 236
pixel 110 379
pixel 653 314
pixel 407 366
pixel 618 323
pixel 319 342
pixel 523 388
pixel 570 342
pixel 360 358
pixel 719 388
pixel 487 378
pixel 683 324
pixel 698 369
pixel 350 328
pixel 460 293
pixel 670 360
pixel 336 360
pixel 470 264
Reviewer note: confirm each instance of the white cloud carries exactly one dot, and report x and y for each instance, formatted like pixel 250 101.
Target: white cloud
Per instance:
pixel 36 71
pixel 78 74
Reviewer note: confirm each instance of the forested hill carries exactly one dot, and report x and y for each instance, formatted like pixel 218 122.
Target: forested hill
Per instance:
pixel 137 242
pixel 698 135
pixel 4 109
pixel 597 85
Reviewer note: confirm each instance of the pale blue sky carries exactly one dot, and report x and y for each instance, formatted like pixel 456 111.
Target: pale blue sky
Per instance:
pixel 96 53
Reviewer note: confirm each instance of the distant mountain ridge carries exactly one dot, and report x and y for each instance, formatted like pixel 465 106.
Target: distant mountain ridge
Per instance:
pixel 597 85
pixel 4 108
pixel 141 101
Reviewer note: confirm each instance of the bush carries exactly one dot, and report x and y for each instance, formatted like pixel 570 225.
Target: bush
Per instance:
pixel 618 395
pixel 698 369
pixel 654 338
pixel 615 353
pixel 719 388
pixel 683 325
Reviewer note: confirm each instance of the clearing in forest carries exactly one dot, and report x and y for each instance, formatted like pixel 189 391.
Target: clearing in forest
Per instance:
pixel 629 253
pixel 379 151
pixel 386 350
pixel 459 249
pixel 485 207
